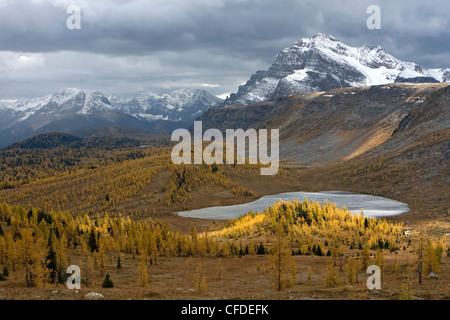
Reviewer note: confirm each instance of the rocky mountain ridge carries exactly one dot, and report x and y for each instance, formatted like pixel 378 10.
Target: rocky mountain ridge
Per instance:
pixel 74 110
pixel 324 63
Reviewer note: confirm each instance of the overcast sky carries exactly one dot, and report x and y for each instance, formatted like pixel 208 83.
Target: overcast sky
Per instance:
pixel 125 46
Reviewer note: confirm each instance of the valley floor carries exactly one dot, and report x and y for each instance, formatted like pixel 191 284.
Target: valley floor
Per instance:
pixel 246 277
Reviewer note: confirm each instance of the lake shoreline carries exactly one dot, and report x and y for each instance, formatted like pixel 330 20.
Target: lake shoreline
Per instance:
pixel 372 206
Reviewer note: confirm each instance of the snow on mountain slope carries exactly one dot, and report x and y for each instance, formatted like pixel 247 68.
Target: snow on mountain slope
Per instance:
pixel 441 75
pixel 67 111
pixel 180 105
pixel 70 100
pixel 323 63
pixel 7 115
pixel 76 109
pixel 4 105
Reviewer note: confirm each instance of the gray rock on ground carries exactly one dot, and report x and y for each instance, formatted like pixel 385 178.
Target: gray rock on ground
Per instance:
pixel 94 296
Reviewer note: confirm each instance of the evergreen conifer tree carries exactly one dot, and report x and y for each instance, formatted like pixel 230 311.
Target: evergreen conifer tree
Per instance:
pixel 5 271
pixel 92 242
pixel 107 283
pixel 51 261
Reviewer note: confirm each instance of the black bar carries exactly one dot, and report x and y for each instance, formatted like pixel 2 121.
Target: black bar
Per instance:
pixel 223 309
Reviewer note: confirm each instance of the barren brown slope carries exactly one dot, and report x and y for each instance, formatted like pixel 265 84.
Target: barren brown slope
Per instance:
pixel 328 127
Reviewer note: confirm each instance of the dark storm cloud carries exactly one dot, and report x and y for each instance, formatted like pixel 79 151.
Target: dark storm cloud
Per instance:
pixel 143 27
pixel 137 44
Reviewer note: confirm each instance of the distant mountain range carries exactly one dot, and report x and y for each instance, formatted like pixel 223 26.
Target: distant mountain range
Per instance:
pixel 76 110
pixel 316 64
pixel 323 63
pixel 180 105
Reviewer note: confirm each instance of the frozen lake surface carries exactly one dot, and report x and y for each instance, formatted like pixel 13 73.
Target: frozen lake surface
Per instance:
pixel 372 206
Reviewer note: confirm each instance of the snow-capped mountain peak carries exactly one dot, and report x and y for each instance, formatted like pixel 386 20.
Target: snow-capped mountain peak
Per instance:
pixel 69 100
pixel 179 105
pixel 322 63
pixel 75 109
pixel 319 40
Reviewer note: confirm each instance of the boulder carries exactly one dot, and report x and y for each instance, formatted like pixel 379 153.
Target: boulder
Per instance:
pixel 94 296
pixel 433 276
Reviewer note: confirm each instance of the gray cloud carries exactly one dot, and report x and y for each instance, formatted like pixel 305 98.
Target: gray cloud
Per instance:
pixel 125 46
